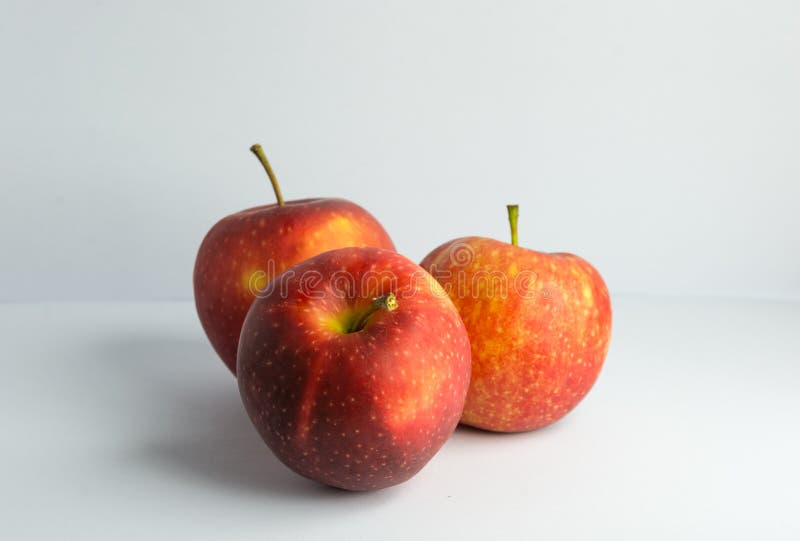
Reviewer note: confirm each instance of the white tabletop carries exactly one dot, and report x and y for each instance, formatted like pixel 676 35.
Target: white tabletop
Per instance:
pixel 118 422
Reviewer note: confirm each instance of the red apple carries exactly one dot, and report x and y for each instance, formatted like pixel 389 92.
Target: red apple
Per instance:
pixel 243 251
pixel 539 325
pixel 354 366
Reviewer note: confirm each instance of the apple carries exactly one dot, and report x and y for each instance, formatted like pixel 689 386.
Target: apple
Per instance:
pixel 245 250
pixel 353 366
pixel 539 325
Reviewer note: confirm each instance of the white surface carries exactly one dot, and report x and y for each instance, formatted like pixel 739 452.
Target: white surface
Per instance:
pixel 119 422
pixel 656 139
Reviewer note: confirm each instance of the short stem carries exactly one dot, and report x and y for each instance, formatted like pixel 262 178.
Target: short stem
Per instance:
pixel 259 152
pixel 513 216
pixel 386 302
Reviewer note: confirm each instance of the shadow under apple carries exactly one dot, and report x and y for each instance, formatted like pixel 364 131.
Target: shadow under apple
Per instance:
pixel 174 391
pixel 197 428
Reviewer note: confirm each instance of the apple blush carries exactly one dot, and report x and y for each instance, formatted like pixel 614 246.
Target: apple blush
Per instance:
pixel 354 366
pixel 539 326
pixel 245 250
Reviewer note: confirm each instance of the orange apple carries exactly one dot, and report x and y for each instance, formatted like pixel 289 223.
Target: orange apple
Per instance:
pixel 539 327
pixel 244 251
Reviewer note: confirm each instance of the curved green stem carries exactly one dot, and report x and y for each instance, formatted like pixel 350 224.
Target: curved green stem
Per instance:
pixel 386 302
pixel 259 152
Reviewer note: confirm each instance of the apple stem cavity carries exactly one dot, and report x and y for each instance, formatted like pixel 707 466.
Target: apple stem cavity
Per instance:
pixel 386 302
pixel 513 217
pixel 259 152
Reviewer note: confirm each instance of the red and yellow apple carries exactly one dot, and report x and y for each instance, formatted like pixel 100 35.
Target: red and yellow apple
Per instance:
pixel 354 366
pixel 244 251
pixel 539 325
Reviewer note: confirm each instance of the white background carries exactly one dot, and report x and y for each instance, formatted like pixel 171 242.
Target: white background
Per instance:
pixel 123 424
pixel 659 140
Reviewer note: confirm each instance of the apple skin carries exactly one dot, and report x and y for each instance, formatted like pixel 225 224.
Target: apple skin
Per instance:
pixel 242 251
pixel 536 352
pixel 360 410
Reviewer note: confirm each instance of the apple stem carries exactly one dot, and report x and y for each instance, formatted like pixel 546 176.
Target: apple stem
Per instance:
pixel 259 152
pixel 513 216
pixel 386 302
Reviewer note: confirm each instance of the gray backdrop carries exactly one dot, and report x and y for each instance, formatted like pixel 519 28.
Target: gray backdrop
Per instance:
pixel 658 140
